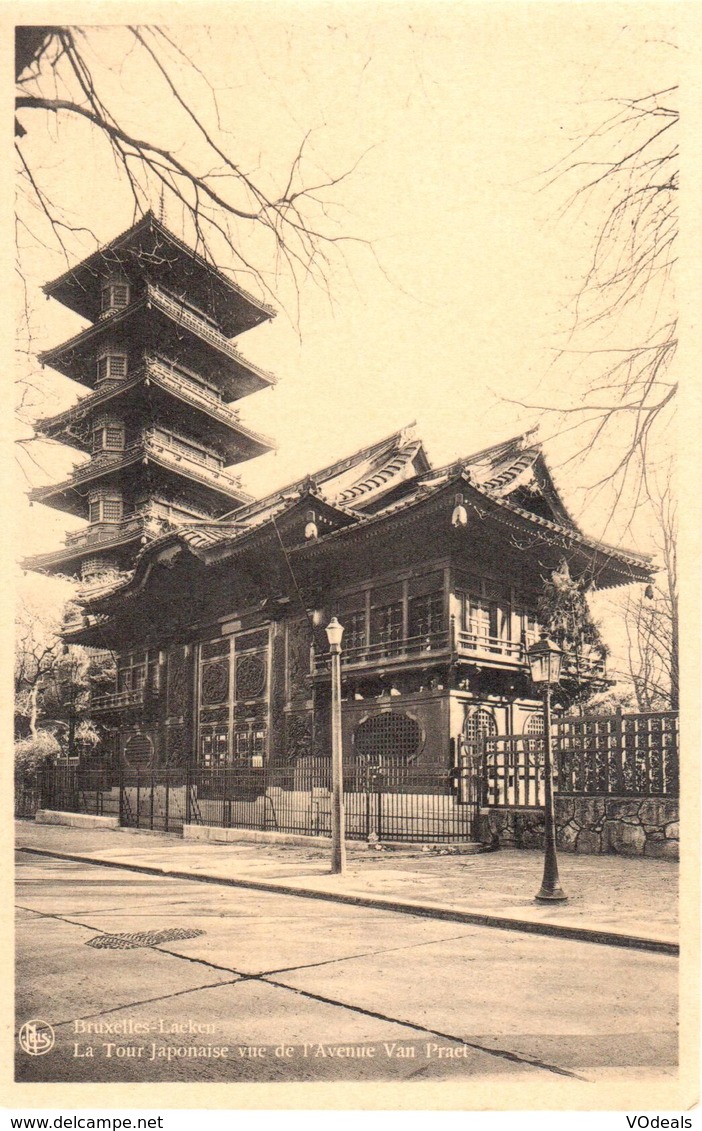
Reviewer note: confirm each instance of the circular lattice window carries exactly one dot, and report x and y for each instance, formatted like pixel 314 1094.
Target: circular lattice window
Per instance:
pixel 534 725
pixel 479 724
pixel 250 677
pixel 215 682
pixel 139 750
pixel 389 735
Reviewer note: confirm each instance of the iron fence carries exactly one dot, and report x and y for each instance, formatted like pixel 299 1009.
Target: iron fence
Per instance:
pixel 159 799
pixel 387 799
pixel 392 800
pixel 26 797
pixel 73 789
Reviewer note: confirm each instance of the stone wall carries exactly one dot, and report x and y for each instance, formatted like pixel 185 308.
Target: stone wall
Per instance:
pixel 626 826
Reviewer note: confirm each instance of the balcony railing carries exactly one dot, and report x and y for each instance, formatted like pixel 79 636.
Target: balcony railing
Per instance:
pixel 212 476
pixel 155 297
pixel 85 406
pixel 107 531
pixel 107 461
pixel 117 700
pixel 169 378
pixel 467 645
pixel 212 403
pixel 388 649
pixel 473 643
pixel 185 317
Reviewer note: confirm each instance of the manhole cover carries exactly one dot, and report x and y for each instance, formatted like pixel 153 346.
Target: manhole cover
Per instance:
pixel 141 938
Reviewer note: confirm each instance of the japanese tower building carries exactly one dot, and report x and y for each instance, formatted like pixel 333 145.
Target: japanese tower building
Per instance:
pixel 213 601
pixel 159 421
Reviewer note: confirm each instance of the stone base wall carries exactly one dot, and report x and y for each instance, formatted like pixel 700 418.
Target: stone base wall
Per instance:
pixel 626 826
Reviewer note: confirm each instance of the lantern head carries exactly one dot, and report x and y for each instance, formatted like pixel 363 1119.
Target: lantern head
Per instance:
pixel 545 661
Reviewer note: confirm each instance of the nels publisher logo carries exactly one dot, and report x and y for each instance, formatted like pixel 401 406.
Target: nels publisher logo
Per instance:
pixel 36 1037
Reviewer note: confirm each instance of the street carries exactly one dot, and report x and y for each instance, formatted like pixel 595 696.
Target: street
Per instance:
pixel 281 988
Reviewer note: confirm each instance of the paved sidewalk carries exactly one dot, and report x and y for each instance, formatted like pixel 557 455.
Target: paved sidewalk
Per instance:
pixel 611 899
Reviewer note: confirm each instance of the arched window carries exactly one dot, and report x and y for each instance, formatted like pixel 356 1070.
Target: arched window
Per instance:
pixel 139 750
pixel 479 723
pixel 534 724
pixel 391 734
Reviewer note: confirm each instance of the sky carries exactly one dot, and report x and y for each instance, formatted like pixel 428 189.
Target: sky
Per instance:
pixel 452 297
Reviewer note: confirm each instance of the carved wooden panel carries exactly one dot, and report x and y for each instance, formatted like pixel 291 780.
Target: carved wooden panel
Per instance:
pixel 298 735
pixel 176 745
pixel 299 638
pixel 215 682
pixel 277 695
pixel 177 694
pixel 251 675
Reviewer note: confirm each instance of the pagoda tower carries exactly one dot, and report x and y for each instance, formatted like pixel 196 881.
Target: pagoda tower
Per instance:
pixel 158 423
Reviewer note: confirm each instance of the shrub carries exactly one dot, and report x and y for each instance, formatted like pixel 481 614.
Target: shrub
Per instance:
pixel 33 752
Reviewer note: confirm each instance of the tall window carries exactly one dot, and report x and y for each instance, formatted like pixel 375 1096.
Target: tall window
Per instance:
pixel 355 631
pixel 351 611
pixel 480 617
pixel 529 627
pixel 534 724
pixel 233 700
pixel 479 723
pixel 137 669
pixel 426 606
pixel 485 613
pixel 386 618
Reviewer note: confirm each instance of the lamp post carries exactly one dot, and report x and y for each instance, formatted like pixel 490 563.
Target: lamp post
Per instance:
pixel 334 632
pixel 545 662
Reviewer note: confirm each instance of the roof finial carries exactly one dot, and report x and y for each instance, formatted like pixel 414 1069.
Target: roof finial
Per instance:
pixel 528 438
pixel 162 209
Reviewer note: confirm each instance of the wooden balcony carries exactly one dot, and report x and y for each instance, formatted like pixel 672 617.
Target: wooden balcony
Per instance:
pixel 177 384
pixel 488 651
pixel 204 330
pixel 154 315
pixel 490 648
pixel 140 700
pixel 108 531
pixel 209 474
pixel 389 652
pixel 117 701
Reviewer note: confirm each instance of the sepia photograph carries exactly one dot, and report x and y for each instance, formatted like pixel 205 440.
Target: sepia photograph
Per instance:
pixel 348 654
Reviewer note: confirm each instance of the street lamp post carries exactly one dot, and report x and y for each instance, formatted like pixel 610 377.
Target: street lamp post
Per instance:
pixel 545 662
pixel 335 631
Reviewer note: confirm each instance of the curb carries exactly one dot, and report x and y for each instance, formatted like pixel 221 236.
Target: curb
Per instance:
pixel 406 907
pixel 75 820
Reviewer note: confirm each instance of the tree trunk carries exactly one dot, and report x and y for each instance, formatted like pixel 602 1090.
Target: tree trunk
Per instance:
pixel 674 657
pixel 33 710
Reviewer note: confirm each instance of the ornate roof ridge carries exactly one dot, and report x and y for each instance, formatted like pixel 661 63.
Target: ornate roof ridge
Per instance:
pixel 381 475
pixel 326 473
